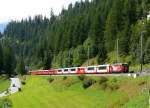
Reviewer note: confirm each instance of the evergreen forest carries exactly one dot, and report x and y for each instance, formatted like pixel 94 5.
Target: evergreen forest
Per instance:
pixel 85 31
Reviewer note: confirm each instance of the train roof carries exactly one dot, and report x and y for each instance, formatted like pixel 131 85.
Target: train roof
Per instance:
pixel 120 64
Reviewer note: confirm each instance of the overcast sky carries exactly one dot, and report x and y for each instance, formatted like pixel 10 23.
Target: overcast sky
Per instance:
pixel 18 9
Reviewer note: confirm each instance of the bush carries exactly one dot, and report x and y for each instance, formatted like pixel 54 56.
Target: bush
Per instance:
pixel 50 80
pixel 114 80
pixel 104 86
pixel 19 89
pixel 14 85
pixel 113 86
pixel 81 77
pixel 88 82
pixel 6 103
pixel 69 81
pixel 103 80
pixel 103 83
pixel 65 77
pixel 23 82
pixel 142 83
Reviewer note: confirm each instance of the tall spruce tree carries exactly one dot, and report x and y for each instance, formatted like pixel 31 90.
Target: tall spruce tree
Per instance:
pixel 9 60
pixel 1 58
pixel 21 67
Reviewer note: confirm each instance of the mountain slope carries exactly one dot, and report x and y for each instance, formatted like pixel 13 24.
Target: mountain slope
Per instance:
pixel 65 40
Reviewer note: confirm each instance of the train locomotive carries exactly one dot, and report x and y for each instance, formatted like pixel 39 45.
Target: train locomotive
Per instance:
pixel 97 69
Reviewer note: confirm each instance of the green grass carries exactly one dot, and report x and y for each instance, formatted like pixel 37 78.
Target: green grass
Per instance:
pixel 69 93
pixel 4 84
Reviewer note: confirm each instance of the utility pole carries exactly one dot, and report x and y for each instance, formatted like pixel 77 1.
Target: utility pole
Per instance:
pixel 69 58
pixel 54 56
pixel 141 50
pixel 117 52
pixel 88 54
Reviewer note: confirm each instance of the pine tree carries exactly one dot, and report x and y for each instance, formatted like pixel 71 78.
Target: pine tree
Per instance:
pixel 147 52
pixel 1 58
pixel 47 59
pixel 9 60
pixel 21 67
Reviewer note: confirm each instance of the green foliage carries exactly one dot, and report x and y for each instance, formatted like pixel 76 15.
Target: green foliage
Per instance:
pixel 88 82
pixel 79 56
pixel 96 25
pixel 9 60
pixel 147 51
pixel 6 103
pixel 103 80
pixel 65 77
pixel 5 83
pixel 1 59
pixel 103 83
pixel 111 85
pixel 23 82
pixel 50 79
pixel 82 77
pixel 21 67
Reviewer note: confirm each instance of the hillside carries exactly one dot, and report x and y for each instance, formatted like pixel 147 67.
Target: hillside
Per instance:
pixel 4 84
pixel 66 92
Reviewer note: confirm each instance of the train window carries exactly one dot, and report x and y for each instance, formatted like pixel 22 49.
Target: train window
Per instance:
pixel 102 68
pixel 59 70
pixel 65 69
pixel 124 64
pixel 90 68
pixel 73 69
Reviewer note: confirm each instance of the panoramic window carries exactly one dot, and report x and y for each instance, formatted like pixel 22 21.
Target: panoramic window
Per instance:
pixel 59 70
pixel 65 70
pixel 102 68
pixel 73 69
pixel 90 68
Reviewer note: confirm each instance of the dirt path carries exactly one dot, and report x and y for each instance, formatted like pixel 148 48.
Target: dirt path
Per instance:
pixel 15 84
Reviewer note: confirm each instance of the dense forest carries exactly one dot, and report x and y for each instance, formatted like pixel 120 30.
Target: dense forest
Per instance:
pixel 86 30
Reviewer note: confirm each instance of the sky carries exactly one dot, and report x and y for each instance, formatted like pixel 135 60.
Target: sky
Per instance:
pixel 18 9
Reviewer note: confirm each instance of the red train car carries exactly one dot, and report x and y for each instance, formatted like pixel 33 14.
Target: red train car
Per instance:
pixel 104 69
pixel 120 68
pixel 99 69
pixel 43 72
pixel 81 70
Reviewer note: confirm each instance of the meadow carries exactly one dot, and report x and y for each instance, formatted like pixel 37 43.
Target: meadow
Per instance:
pixel 4 83
pixel 70 92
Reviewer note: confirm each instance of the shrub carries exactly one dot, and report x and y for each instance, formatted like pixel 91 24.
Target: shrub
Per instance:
pixel 114 80
pixel 50 80
pixel 142 83
pixel 6 103
pixel 23 82
pixel 81 77
pixel 65 77
pixel 113 86
pixel 69 81
pixel 88 82
pixel 14 85
pixel 103 80
pixel 104 86
pixel 19 89
pixel 103 83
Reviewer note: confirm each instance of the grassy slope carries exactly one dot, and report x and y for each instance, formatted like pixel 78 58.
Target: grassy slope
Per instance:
pixel 4 84
pixel 69 93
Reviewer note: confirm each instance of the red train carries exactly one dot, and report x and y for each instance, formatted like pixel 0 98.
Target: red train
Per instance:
pixel 99 69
